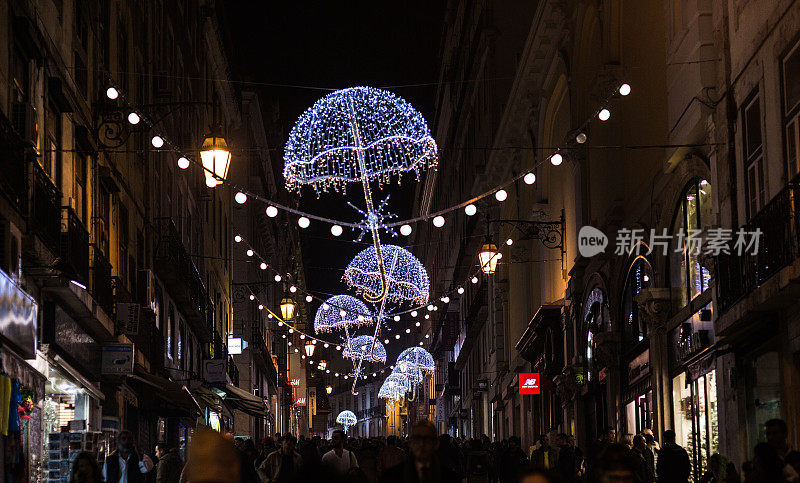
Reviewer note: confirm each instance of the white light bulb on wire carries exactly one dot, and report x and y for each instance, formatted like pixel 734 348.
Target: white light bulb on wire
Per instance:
pixel 417 324
pixel 430 307
pixel 460 290
pixel 470 209
pixel 269 316
pixel 338 347
pixel 291 331
pixel 397 336
pixel 624 89
pixel 112 93
pixel 277 278
pixel 183 163
pixel 580 138
pixel 134 118
pixel 249 252
pixel 509 242
pixel 446 299
pixel 263 266
pixel 427 336
pixel 309 298
pixel 302 336
pixel 237 239
pixel 157 142
pixel 240 198
pixel 556 159
pixel 336 230
pixel 303 222
pixel 260 307
pixel 427 316
pixel 385 341
pixel 501 195
pixel 272 212
pixel 413 313
pixel 405 230
pixel 604 114
pixel 252 297
pixel 408 331
pixel 397 318
pixel 529 178
pixel 293 289
pixel 438 221
pixel 474 280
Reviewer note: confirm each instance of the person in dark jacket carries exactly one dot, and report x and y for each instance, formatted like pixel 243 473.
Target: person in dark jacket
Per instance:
pixel 123 465
pixel 512 461
pixel 423 466
pixel 673 461
pixel 647 470
pixel 169 467
pixel 567 464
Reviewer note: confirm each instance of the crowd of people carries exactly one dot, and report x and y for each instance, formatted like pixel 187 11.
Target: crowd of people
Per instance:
pixel 427 457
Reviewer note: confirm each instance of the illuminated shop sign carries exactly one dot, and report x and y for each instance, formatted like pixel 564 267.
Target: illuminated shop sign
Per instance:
pixel 529 383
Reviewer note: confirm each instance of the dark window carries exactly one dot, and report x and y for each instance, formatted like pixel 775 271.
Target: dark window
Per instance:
pixel 791 109
pixel 640 277
pixel 755 183
pixel 79 191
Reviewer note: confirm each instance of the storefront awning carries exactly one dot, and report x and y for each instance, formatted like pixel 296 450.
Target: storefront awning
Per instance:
pixel 175 395
pixel 244 401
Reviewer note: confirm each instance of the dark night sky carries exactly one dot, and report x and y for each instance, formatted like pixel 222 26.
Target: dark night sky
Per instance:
pixel 332 45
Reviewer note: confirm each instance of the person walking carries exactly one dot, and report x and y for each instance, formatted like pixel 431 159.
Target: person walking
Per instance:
pixel 281 466
pixel 512 461
pixel 169 467
pixel 478 463
pixel 647 470
pixel 85 469
pixel 390 456
pixel 777 434
pixel 123 465
pixel 567 465
pixel 339 460
pixel 673 461
pixel 545 456
pixel 422 466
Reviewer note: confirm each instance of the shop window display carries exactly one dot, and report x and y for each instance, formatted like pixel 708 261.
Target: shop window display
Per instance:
pixel 696 419
pixel 689 277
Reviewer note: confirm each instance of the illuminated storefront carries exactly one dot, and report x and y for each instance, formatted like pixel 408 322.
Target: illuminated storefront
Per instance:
pixel 694 389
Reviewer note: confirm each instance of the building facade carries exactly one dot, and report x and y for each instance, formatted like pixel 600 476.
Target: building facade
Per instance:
pixel 119 253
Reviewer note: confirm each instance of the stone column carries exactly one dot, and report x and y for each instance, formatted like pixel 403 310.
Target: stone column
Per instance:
pixel 654 305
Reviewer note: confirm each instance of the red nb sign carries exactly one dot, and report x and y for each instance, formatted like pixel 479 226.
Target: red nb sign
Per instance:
pixel 301 401
pixel 529 383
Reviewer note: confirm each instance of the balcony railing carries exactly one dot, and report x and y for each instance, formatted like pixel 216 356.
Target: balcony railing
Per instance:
pixel 176 269
pixel 45 215
pixel 102 290
pixel 739 274
pixel 74 245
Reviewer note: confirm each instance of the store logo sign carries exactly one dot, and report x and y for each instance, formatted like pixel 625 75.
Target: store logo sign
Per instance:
pixel 529 383
pixel 300 401
pixel 591 241
pixel 294 382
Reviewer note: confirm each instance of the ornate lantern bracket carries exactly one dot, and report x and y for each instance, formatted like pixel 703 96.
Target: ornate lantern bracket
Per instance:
pixel 550 233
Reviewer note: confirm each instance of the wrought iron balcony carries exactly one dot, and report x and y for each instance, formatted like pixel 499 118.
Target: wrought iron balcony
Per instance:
pixel 175 268
pixel 74 246
pixel 102 290
pixel 45 214
pixel 737 275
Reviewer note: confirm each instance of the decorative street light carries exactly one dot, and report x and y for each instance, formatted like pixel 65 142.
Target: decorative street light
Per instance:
pixel 309 348
pixel 329 389
pixel 488 257
pixel 323 364
pixel 287 308
pixel 216 158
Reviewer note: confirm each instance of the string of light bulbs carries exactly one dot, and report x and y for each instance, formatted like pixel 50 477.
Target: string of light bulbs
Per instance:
pixel 185 160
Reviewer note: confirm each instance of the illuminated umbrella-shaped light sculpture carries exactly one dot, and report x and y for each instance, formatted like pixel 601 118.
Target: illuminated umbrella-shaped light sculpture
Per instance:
pixel 405 280
pixel 346 419
pixel 415 362
pixel 395 387
pixel 341 312
pixel 359 134
pixel 363 348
